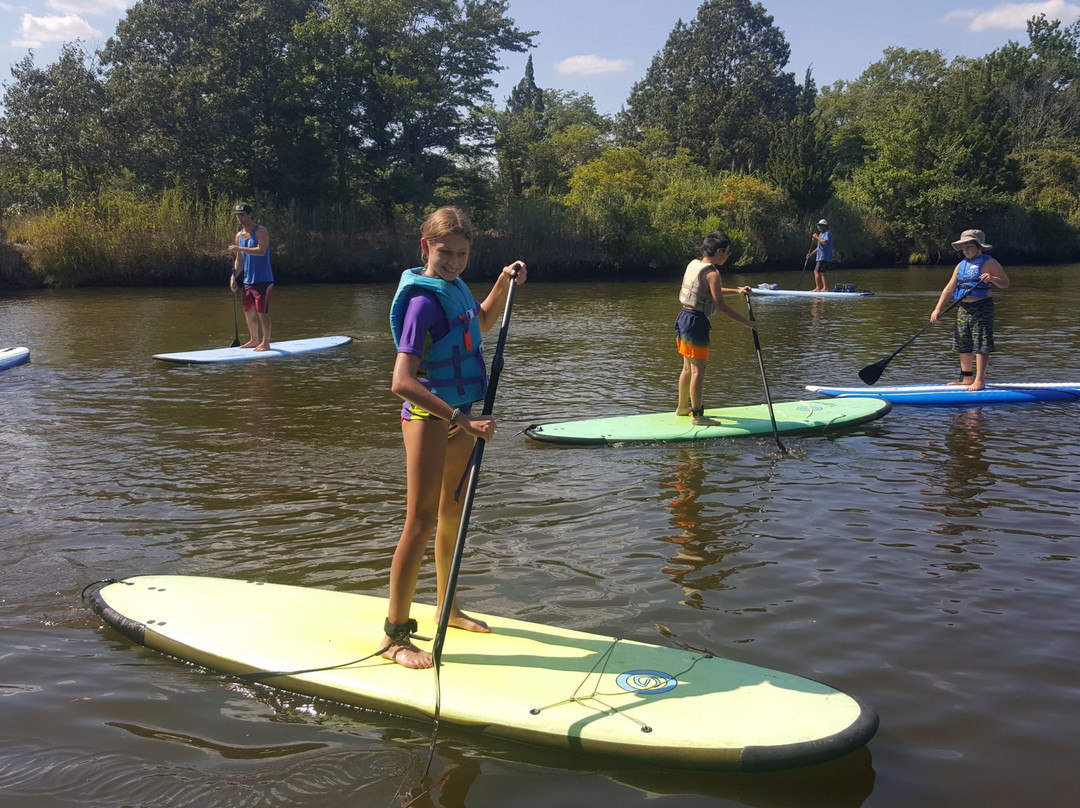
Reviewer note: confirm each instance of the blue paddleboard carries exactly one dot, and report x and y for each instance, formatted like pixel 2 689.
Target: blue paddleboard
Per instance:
pixel 10 357
pixel 957 395
pixel 287 348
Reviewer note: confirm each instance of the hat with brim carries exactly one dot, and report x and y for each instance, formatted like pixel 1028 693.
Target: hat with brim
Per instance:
pixel 972 236
pixel 243 207
pixel 824 222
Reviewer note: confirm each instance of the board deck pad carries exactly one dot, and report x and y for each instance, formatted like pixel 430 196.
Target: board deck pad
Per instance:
pixel 958 395
pixel 526 682
pixel 10 357
pixel 286 348
pixel 792 418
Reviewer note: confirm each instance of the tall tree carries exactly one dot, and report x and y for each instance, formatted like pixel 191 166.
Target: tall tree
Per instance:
pixel 938 147
pixel 396 85
pixel 717 86
pixel 518 127
pixel 802 158
pixel 526 95
pixel 53 119
pixel 197 85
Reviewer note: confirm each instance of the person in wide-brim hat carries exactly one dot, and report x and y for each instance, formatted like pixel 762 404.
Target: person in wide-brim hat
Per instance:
pixel 972 236
pixel 969 288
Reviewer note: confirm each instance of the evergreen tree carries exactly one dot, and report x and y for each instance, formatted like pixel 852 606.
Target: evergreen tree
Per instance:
pixel 717 86
pixel 801 156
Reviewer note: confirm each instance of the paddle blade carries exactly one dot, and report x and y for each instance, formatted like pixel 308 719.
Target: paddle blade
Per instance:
pixel 871 373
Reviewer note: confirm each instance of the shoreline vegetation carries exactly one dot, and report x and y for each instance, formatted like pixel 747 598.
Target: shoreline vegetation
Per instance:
pixel 118 240
pixel 345 127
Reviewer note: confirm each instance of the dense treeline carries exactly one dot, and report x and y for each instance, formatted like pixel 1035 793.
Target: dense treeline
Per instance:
pixel 344 121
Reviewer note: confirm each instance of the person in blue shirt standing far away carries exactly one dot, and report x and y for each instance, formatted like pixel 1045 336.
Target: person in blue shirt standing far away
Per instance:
pixel 824 252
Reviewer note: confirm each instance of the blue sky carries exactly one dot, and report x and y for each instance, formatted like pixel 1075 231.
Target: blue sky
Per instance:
pixel 602 47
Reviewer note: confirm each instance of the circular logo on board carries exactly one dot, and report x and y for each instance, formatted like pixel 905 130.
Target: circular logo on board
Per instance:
pixel 646 683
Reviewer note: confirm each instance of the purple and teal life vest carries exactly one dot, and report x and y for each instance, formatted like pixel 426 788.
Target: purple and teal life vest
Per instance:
pixel 453 366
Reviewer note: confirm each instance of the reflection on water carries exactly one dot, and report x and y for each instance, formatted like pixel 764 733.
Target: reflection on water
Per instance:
pixel 699 547
pixel 925 562
pixel 959 470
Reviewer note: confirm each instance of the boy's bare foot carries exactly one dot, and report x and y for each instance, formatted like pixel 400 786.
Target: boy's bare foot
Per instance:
pixel 263 346
pixel 404 653
pixel 250 344
pixel 979 385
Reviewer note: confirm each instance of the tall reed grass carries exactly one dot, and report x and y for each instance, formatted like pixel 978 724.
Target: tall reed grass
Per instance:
pixel 122 239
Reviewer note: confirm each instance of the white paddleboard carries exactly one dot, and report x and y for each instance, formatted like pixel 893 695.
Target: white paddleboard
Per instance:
pixel 526 682
pixel 10 357
pixel 854 293
pixel 286 348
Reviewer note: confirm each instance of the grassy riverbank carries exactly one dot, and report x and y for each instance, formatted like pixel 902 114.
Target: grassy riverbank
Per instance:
pixel 121 240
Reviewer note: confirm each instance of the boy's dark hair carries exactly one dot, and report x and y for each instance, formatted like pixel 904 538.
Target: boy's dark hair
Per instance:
pixel 716 240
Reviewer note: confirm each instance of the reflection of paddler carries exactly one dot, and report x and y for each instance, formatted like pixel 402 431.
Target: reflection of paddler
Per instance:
pixel 964 439
pixel 964 476
pixel 687 479
pixel 697 540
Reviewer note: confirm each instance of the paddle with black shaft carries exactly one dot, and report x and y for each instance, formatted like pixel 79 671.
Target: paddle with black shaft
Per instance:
pixel 235 317
pixel 871 373
pixel 764 381
pixel 470 493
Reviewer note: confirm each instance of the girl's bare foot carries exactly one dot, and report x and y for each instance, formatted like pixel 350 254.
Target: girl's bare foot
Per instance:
pixel 682 412
pixel 404 653
pixel 976 386
pixel 463 621
pixel 704 420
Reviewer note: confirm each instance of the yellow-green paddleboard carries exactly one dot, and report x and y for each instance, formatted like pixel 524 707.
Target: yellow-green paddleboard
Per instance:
pixel 526 682
pixel 817 417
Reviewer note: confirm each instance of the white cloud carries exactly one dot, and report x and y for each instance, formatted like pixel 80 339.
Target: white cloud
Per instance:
pixel 88 6
pixel 36 31
pixel 590 65
pixel 1014 16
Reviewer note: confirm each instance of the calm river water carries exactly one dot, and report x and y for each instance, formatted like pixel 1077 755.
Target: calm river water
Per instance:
pixel 926 562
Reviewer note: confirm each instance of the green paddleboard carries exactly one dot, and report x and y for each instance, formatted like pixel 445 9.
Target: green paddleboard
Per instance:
pixel 816 417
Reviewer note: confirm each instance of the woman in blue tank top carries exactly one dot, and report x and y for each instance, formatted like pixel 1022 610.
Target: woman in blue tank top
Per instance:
pixel 973 335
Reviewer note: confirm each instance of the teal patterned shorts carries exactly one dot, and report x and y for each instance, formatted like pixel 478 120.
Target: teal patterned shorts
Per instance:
pixel 975 327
